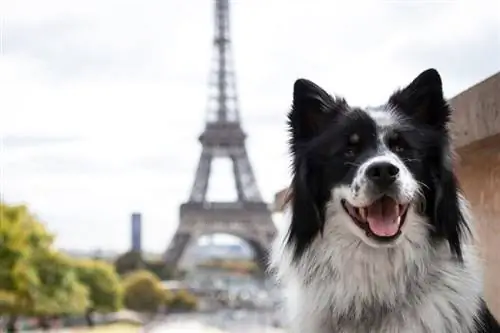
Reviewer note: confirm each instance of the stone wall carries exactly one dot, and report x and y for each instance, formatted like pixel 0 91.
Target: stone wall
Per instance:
pixel 476 127
pixel 477 112
pixel 479 175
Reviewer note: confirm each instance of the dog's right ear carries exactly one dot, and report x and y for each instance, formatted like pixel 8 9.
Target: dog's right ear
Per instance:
pixel 312 110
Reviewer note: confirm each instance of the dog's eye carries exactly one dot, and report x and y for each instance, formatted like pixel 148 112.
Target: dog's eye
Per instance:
pixel 396 143
pixel 353 139
pixel 352 145
pixel 399 149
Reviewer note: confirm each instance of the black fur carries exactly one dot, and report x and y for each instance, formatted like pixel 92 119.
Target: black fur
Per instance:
pixel 486 322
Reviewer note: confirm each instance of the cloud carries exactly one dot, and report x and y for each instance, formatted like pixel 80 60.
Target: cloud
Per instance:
pixel 18 141
pixel 103 101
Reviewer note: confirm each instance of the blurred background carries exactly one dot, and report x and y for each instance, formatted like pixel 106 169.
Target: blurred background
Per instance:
pixel 144 145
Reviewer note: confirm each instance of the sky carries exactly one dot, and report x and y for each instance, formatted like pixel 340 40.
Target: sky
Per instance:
pixel 101 102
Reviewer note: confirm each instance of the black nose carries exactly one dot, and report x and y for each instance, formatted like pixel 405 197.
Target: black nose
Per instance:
pixel 382 174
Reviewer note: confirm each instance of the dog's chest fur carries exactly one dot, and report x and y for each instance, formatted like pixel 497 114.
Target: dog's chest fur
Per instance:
pixel 340 286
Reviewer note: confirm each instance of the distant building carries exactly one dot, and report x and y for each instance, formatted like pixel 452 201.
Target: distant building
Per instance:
pixel 136 232
pixel 109 256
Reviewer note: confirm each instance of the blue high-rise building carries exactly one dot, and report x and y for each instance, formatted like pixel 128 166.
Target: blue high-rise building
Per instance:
pixel 136 232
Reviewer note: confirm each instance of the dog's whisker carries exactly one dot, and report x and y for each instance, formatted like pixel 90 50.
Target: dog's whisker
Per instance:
pixel 422 184
pixel 352 164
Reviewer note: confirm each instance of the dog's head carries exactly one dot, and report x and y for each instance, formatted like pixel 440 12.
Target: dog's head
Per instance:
pixel 370 172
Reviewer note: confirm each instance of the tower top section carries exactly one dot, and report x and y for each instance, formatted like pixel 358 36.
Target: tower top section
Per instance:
pixel 223 101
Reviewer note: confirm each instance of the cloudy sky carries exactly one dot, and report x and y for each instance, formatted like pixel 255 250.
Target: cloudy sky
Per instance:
pixel 101 102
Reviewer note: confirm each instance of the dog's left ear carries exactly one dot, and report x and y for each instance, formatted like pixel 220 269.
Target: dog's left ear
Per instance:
pixel 423 100
pixel 312 109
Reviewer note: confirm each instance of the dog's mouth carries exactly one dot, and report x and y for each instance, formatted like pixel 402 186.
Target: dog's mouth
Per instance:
pixel 381 220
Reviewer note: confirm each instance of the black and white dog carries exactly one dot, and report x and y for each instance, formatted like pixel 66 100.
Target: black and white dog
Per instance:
pixel 380 238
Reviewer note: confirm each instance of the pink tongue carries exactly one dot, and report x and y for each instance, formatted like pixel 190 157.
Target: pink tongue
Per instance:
pixel 382 217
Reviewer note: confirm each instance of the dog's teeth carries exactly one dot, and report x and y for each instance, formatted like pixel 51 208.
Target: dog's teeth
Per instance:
pixel 398 220
pixel 362 213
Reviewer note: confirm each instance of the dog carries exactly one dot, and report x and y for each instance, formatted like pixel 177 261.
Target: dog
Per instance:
pixel 380 238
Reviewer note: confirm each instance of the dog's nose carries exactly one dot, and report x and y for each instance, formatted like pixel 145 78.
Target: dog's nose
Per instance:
pixel 382 174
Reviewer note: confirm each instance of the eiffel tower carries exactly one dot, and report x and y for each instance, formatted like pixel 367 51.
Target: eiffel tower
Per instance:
pixel 249 217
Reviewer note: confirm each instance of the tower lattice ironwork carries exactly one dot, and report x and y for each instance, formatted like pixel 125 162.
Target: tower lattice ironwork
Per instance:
pixel 249 217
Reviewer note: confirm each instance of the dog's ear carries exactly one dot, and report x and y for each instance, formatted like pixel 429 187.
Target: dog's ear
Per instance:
pixel 312 109
pixel 423 100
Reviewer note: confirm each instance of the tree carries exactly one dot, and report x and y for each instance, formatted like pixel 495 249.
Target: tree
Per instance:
pixel 35 279
pixel 143 292
pixel 105 289
pixel 7 300
pixel 239 266
pixel 162 270
pixel 18 277
pixel 59 291
pixel 183 300
pixel 129 262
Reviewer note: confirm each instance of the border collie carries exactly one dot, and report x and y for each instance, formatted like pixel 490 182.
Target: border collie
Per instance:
pixel 380 237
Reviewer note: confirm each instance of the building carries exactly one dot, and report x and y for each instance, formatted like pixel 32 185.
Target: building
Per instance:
pixel 476 131
pixel 136 232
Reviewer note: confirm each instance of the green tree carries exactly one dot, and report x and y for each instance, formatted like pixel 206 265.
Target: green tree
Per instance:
pixel 183 300
pixel 129 262
pixel 18 276
pixel 104 286
pixel 59 291
pixel 35 279
pixel 143 292
pixel 241 266
pixel 162 270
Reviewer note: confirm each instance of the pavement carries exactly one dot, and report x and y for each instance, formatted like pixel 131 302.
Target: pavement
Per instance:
pixel 221 322
pixel 196 327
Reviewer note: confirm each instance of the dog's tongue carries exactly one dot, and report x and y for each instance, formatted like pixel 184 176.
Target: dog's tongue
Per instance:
pixel 383 217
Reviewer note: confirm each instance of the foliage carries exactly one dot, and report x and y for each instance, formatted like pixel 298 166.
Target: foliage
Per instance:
pixel 7 300
pixel 129 262
pixel 160 269
pixel 110 328
pixel 60 291
pixel 183 300
pixel 35 279
pixel 20 238
pixel 105 289
pixel 143 292
pixel 240 266
pixel 132 260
